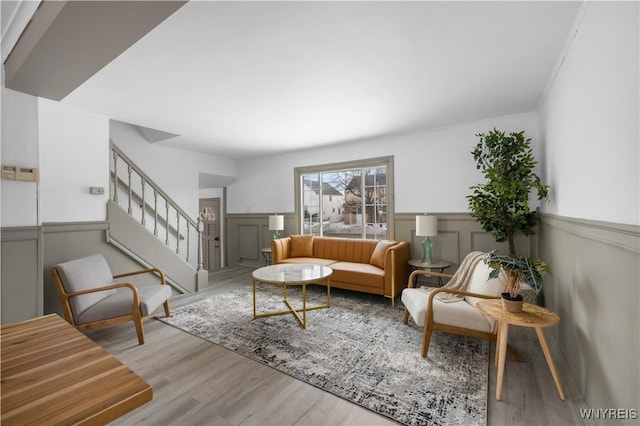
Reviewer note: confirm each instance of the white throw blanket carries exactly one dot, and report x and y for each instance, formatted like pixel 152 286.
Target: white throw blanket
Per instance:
pixel 460 279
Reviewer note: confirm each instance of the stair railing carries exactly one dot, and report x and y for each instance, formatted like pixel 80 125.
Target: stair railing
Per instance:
pixel 143 199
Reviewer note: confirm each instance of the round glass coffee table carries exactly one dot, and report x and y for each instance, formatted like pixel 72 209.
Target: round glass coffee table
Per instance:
pixel 288 274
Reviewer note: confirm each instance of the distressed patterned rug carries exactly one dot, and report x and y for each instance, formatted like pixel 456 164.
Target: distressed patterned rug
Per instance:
pixel 358 350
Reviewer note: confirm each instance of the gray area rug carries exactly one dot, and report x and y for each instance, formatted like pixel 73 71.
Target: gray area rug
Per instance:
pixel 358 350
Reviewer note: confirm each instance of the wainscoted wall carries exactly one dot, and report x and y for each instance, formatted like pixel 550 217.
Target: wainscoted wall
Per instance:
pixel 595 288
pixel 22 291
pixel 248 234
pixel 458 234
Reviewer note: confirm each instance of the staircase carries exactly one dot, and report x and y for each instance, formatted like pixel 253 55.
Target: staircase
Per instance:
pixel 146 224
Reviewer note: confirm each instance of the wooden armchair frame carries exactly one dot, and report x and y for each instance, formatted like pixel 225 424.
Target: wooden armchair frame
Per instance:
pixel 135 316
pixel 430 325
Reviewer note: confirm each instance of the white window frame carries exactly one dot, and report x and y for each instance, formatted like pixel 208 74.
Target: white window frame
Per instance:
pixel 387 162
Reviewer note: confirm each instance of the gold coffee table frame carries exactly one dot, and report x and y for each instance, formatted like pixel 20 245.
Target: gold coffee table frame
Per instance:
pixel 288 274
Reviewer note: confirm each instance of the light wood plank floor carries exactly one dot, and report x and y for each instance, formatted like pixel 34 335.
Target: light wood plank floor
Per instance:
pixel 198 383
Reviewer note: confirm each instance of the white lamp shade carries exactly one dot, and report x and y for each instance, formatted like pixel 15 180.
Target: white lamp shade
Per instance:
pixel 276 222
pixel 427 225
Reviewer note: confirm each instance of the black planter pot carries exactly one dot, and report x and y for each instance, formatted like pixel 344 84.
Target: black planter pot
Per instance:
pixel 512 304
pixel 507 296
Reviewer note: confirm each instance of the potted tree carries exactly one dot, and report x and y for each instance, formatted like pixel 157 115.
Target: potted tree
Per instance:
pixel 501 203
pixel 518 270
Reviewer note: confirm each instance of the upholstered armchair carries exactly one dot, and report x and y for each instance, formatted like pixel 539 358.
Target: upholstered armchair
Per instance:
pixel 458 316
pixel 91 296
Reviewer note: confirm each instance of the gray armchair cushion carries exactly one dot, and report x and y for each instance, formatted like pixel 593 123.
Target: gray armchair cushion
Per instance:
pixel 84 274
pixel 121 303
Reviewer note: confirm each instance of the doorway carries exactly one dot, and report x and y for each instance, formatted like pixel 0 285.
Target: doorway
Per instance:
pixel 211 252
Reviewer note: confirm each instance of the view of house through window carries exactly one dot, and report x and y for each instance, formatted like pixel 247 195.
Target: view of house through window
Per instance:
pixel 347 203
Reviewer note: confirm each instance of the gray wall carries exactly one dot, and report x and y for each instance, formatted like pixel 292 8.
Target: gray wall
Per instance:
pixel 595 290
pixel 21 284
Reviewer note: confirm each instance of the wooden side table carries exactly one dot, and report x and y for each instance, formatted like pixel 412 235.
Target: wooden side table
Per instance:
pixel 531 316
pixel 417 264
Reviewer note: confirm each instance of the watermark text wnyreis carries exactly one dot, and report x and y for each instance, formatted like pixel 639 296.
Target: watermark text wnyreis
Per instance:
pixel 609 413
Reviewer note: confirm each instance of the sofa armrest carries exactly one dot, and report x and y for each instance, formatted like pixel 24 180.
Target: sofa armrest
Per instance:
pixel 280 249
pixel 396 268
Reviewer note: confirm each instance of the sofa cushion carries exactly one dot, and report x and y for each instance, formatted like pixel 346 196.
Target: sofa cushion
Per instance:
pixel 314 260
pixel 301 245
pixel 460 313
pixel 377 257
pixel 358 273
pixel 151 297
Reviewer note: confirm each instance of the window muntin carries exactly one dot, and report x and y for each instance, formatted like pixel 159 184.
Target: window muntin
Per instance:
pixel 348 200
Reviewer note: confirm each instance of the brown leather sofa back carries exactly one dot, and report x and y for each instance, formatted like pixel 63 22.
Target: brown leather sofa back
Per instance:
pixel 343 249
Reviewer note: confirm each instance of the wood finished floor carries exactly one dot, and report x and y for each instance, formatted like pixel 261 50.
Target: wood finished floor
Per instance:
pixel 199 383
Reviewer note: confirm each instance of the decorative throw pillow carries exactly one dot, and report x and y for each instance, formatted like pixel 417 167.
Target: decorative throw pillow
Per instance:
pixel 302 246
pixel 377 257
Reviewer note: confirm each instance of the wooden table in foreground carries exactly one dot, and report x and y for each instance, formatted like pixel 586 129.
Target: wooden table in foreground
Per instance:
pixel 531 316
pixel 53 374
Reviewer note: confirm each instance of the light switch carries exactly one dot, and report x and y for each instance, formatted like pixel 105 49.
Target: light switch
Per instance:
pixel 96 190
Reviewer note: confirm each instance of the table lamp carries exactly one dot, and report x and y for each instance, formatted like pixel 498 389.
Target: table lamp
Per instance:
pixel 427 226
pixel 276 223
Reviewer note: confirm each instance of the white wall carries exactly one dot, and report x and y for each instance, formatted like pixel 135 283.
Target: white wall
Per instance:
pixel 74 155
pixel 20 149
pixel 433 169
pixel 589 120
pixel 175 170
pixel 18 200
pixel 71 148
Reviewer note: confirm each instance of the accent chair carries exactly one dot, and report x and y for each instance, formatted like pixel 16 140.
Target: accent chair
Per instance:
pixel 92 297
pixel 459 316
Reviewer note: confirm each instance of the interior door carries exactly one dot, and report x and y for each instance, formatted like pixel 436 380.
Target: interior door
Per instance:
pixel 211 253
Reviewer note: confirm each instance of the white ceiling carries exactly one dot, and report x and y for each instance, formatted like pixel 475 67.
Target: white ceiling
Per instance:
pixel 239 79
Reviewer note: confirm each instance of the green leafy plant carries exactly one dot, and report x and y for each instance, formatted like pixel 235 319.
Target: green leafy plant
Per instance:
pixel 501 204
pixel 518 270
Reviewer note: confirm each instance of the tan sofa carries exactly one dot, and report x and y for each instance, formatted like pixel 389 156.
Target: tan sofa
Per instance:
pixel 369 266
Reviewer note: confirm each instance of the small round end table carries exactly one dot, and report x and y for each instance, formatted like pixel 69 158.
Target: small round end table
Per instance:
pixel 266 253
pixel 439 266
pixel 531 316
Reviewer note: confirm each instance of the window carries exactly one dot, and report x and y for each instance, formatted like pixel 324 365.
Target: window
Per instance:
pixel 361 192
